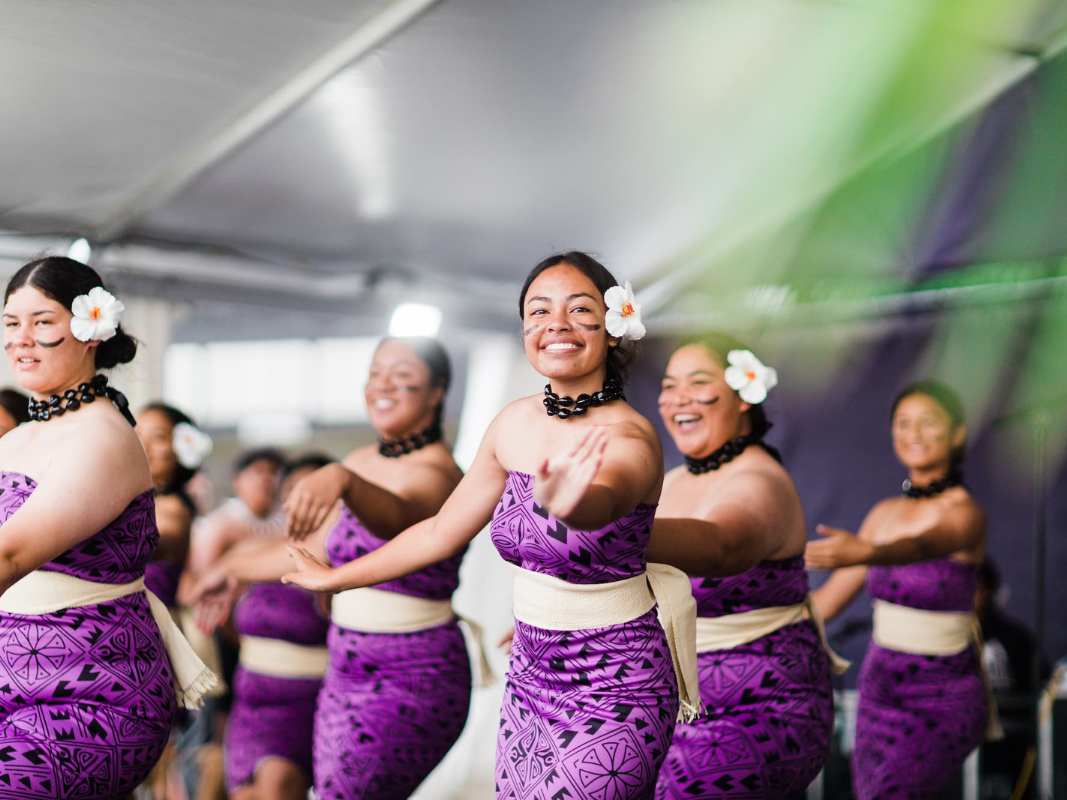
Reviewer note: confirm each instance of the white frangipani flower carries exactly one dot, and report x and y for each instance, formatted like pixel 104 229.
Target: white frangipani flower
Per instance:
pixel 749 377
pixel 191 445
pixel 623 319
pixel 96 315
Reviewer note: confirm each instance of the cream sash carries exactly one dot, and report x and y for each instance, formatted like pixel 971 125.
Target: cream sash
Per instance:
pixel 734 630
pixel 281 659
pixel 44 592
pixel 554 604
pixel 373 610
pixel 919 631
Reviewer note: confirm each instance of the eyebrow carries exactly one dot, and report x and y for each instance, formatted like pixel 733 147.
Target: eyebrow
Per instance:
pixel 574 296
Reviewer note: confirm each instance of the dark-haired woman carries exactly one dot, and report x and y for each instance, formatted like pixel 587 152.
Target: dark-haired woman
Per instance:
pixel 282 660
pixel 922 703
pixel 82 645
pixel 175 448
pixel 764 672
pixel 397 688
pixel 14 409
pixel 591 696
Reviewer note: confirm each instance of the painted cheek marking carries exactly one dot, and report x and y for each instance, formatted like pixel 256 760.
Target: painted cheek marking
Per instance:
pixel 56 343
pixel 703 402
pixel 531 329
pixel 591 328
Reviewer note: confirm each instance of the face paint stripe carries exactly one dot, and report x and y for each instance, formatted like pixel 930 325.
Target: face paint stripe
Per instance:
pixel 56 343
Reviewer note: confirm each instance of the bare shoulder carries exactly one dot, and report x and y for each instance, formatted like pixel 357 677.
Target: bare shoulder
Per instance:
pixel 359 457
pixel 962 507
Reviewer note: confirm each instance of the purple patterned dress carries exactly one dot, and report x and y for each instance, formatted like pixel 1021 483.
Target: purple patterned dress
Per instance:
pixel 392 704
pixel 86 694
pixel 769 703
pixel 587 714
pixel 161 578
pixel 273 716
pixel 919 716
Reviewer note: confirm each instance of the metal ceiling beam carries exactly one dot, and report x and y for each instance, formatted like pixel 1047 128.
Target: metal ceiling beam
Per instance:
pixel 174 176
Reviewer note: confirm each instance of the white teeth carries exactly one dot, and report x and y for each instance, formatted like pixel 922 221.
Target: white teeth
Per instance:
pixel 559 346
pixel 681 419
pixel 384 403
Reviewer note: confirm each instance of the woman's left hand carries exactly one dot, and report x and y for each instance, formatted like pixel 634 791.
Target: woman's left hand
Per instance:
pixel 312 572
pixel 839 548
pixel 562 481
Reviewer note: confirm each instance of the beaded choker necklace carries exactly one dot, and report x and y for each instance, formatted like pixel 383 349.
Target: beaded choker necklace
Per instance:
pixel 394 448
pixel 909 489
pixel 728 452
pixel 73 399
pixel 566 406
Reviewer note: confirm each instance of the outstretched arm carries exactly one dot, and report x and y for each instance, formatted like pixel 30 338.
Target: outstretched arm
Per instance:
pixel 838 591
pixel 959 528
pixel 385 513
pixel 464 514
pixel 737 532
pixel 599 480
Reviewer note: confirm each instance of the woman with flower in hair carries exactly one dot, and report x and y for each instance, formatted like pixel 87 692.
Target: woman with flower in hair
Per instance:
pixel 91 659
pixel 732 510
pixel 176 449
pixel 592 695
pixel 923 706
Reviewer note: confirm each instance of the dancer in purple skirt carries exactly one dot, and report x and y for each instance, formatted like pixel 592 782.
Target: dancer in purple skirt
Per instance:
pixel 175 448
pixel 764 675
pixel 87 693
pixel 397 689
pixel 282 660
pixel 592 696
pixel 922 703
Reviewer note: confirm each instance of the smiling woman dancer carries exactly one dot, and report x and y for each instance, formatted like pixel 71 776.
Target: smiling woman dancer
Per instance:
pixel 83 648
pixel 764 675
pixel 397 690
pixel 175 448
pixel 922 704
pixel 591 696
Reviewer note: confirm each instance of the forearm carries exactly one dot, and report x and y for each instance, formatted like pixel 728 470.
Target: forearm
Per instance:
pixel 380 511
pixel 599 507
pixel 262 563
pixel 839 590
pixel 908 550
pixel 698 547
pixel 414 549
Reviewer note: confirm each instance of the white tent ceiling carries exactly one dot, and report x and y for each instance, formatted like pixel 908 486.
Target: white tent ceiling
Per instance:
pixel 323 154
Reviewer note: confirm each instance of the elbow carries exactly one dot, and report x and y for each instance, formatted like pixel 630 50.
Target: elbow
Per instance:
pixel 10 572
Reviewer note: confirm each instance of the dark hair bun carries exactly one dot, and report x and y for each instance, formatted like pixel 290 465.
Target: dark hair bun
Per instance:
pixel 119 349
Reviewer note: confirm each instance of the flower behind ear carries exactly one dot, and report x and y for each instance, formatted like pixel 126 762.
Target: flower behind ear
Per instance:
pixel 191 445
pixel 749 377
pixel 96 315
pixel 623 318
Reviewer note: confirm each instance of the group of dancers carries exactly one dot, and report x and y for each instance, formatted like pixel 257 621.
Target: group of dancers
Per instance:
pixel 666 643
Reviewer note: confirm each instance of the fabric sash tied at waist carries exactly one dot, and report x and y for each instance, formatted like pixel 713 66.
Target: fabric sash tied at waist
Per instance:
pixel 281 659
pixel 923 632
pixel 554 604
pixel 371 610
pixel 45 592
pixel 733 630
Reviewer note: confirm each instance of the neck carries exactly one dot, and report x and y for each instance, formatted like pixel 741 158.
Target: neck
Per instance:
pixel 587 384
pixel 923 476
pixel 74 383
pixel 422 425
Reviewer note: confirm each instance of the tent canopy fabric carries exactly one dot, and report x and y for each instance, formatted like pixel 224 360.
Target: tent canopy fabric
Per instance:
pixel 314 154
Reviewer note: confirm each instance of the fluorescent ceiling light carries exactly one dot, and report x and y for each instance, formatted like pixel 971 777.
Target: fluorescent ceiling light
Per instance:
pixel 415 319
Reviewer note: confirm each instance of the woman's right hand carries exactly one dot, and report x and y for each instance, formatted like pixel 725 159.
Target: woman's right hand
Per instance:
pixel 214 597
pixel 313 498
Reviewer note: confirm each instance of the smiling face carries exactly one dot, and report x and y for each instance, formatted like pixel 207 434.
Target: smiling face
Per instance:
pixel 700 411
pixel 156 433
pixel 400 395
pixel 563 325
pixel 41 351
pixel 924 435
